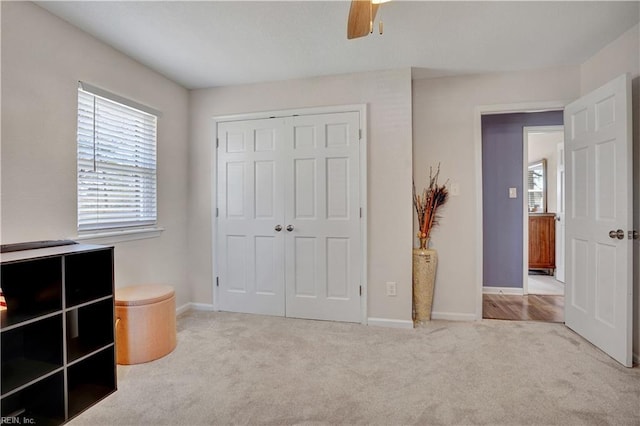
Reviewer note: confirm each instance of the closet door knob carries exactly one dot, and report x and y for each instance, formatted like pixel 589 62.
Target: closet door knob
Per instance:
pixel 278 228
pixel 619 234
pixel 289 228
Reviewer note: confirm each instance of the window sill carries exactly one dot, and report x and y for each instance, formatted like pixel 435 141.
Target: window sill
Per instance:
pixel 112 237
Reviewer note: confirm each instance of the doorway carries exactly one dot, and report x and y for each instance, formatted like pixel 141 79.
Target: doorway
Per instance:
pixel 543 227
pixel 599 188
pixel 516 202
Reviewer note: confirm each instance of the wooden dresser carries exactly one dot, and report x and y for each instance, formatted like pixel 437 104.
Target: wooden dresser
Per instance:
pixel 542 241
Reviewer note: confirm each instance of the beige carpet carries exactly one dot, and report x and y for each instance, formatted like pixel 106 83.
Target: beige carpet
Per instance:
pixel 247 369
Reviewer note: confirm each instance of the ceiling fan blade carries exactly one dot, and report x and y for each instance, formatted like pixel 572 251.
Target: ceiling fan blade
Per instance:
pixel 361 15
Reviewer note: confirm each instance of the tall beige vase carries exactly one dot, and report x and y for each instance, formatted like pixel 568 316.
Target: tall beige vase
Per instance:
pixel 425 261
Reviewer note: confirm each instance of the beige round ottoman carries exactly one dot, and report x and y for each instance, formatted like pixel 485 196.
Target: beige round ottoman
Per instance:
pixel 145 323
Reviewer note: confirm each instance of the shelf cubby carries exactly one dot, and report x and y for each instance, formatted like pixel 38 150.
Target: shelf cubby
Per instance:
pixel 88 276
pixel 89 328
pixel 30 406
pixel 31 351
pixel 89 381
pixel 31 289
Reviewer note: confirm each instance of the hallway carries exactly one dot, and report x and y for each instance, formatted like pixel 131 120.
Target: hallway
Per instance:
pixel 523 308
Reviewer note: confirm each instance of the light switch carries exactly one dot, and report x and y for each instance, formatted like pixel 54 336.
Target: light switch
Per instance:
pixel 513 193
pixel 455 189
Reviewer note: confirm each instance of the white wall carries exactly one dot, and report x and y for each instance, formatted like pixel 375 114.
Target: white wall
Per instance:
pixel 43 58
pixel 444 110
pixel 388 96
pixel 620 56
pixel 545 146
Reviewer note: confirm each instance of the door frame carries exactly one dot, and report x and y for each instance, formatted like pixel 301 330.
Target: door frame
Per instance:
pixel 477 131
pixel 525 205
pixel 362 110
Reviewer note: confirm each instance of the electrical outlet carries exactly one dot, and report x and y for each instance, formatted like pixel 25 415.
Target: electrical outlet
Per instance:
pixel 391 288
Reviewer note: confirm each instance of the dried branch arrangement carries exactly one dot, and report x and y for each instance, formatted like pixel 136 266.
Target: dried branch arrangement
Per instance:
pixel 428 202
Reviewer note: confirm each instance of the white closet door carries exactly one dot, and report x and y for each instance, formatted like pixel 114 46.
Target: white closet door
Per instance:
pixel 322 218
pixel 250 206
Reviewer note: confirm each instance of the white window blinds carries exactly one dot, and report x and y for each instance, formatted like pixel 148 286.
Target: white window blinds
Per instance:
pixel 116 164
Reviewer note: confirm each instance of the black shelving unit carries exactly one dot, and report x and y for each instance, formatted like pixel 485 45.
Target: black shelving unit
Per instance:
pixel 57 334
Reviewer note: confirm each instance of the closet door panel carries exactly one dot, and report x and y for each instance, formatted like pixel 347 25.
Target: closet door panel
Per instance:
pixel 250 206
pixel 305 197
pixel 322 205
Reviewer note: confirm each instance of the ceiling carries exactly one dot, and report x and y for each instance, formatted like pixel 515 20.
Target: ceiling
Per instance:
pixel 214 43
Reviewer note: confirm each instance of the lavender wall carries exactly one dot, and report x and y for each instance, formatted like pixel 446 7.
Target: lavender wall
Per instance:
pixel 502 169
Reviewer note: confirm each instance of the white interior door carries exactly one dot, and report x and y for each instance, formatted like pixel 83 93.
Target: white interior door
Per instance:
pixel 250 207
pixel 323 216
pixel 598 303
pixel 560 220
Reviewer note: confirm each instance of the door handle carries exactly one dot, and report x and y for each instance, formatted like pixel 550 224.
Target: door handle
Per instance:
pixel 619 234
pixel 289 228
pixel 278 228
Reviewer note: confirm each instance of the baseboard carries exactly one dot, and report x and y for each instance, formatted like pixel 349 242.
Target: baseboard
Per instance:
pixel 194 306
pixel 182 309
pixel 392 323
pixel 202 307
pixel 511 291
pixel 452 316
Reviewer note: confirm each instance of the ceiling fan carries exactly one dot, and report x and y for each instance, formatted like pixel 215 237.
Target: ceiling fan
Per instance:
pixel 362 13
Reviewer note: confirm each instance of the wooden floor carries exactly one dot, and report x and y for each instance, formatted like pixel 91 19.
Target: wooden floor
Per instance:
pixel 523 308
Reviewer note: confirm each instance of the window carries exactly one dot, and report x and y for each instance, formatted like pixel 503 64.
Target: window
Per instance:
pixel 116 162
pixel 537 191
